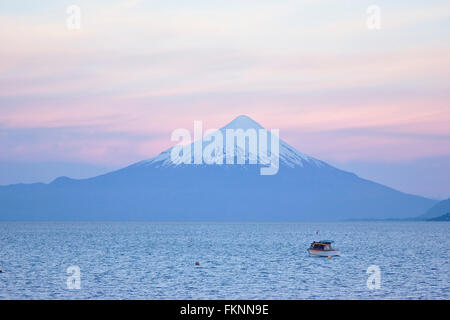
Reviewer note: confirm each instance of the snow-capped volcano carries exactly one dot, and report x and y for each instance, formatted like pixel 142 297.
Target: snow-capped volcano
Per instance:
pixel 302 189
pixel 288 155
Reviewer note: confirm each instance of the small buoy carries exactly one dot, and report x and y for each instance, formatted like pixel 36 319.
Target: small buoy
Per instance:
pixel 329 257
pixel 197 263
pixel 1 271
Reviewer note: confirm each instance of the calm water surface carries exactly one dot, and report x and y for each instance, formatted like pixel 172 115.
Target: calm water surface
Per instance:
pixel 144 260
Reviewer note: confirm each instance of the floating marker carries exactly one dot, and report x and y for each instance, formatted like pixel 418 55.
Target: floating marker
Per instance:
pixel 197 263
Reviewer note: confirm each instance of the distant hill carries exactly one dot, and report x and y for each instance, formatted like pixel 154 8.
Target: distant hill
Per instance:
pixel 439 209
pixel 445 217
pixel 304 189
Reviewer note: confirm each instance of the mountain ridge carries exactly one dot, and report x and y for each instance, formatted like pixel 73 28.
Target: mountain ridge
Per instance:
pixel 304 189
pixel 439 209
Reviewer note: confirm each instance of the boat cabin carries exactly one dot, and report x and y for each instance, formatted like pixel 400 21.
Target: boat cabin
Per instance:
pixel 324 245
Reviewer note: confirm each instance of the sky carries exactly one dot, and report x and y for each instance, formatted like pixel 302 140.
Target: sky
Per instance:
pixel 81 102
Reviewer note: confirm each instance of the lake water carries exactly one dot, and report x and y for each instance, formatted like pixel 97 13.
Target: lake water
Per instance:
pixel 144 260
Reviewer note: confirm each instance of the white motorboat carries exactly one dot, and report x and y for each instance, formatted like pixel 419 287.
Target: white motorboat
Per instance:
pixel 323 248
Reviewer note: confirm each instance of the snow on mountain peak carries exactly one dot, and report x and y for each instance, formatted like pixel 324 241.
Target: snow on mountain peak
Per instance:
pixel 243 122
pixel 288 155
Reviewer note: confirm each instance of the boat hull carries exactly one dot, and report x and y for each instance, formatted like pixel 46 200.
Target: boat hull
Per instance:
pixel 324 253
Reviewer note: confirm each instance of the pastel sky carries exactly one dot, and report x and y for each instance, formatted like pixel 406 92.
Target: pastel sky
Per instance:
pixel 82 102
